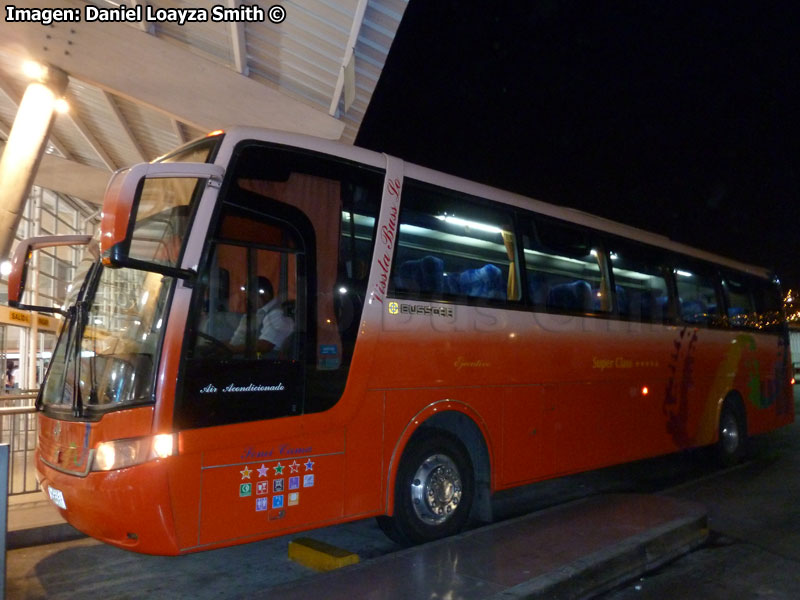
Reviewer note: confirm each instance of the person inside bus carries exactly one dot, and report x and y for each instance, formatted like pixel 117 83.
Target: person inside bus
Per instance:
pixel 275 325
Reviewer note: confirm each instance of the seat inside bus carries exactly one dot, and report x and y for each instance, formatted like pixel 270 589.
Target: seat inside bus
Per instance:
pixel 427 275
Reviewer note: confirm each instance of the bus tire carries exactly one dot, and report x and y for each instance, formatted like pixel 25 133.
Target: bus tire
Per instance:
pixel 434 489
pixel 732 435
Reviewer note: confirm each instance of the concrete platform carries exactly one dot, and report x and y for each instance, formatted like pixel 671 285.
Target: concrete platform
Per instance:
pixel 33 520
pixel 569 551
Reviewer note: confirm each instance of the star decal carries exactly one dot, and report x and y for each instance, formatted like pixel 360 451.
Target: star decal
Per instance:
pixel 263 471
pixel 309 464
pixel 294 466
pixel 278 469
pixel 246 472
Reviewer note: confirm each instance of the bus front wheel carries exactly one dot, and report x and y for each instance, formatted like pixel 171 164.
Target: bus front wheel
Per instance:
pixel 434 489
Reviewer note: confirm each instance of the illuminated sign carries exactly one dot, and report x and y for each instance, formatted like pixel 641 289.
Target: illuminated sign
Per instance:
pixel 24 318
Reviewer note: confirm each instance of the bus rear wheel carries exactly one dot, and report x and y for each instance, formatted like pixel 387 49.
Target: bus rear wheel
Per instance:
pixel 434 489
pixel 732 437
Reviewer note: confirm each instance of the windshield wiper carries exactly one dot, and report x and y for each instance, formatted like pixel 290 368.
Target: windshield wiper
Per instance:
pixel 81 314
pixel 75 347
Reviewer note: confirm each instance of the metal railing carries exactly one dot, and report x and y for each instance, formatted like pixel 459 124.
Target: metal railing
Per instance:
pixel 19 429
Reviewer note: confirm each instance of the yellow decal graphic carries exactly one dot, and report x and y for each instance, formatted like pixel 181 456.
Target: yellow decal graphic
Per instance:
pixel 621 362
pixel 464 363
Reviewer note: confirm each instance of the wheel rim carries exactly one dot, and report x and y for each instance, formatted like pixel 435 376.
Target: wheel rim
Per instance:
pixel 729 434
pixel 436 489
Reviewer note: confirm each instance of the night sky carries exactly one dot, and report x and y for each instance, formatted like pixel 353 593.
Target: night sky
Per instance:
pixel 679 117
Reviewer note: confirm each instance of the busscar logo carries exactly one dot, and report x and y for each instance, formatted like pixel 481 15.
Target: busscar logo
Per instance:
pixel 400 308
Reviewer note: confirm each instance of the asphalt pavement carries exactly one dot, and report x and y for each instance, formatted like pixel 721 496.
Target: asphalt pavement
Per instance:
pixel 753 550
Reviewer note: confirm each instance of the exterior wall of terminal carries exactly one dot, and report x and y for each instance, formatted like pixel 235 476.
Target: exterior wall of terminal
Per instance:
pixel 26 342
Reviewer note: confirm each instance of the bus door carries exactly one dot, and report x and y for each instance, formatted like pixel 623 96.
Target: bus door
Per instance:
pixel 246 362
pixel 244 386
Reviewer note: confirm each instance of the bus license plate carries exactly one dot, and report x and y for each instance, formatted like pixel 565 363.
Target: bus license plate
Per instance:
pixel 57 497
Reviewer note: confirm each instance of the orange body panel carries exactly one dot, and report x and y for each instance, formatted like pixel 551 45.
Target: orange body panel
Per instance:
pixel 560 395
pixel 262 484
pixel 407 410
pixel 254 480
pixel 130 507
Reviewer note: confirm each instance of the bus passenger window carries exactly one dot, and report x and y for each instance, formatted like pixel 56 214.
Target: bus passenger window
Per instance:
pixel 639 284
pixel 450 246
pixel 740 302
pixel 697 297
pixel 752 302
pixel 565 269
pixel 768 305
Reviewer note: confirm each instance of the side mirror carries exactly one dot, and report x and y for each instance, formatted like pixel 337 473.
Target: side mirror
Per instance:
pixel 21 259
pixel 146 212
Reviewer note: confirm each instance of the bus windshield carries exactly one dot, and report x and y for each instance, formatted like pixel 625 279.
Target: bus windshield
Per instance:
pixel 107 352
pixel 116 335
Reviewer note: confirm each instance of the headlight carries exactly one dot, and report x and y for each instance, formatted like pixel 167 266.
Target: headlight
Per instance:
pixel 127 453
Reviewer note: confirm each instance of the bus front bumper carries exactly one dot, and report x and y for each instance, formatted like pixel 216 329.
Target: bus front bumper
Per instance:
pixel 129 508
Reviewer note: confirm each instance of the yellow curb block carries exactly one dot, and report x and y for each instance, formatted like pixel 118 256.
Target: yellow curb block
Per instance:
pixel 319 555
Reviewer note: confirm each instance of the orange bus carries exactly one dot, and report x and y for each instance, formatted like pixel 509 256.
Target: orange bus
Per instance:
pixel 274 333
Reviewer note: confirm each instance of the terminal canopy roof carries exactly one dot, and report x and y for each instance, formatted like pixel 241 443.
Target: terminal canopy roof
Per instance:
pixel 140 88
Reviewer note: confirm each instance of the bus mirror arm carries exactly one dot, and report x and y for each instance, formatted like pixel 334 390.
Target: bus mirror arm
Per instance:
pixel 42 309
pixel 21 259
pixel 115 260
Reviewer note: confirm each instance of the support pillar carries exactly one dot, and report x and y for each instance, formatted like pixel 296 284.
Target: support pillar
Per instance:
pixel 26 145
